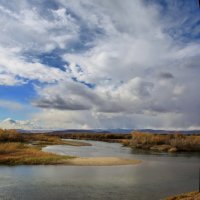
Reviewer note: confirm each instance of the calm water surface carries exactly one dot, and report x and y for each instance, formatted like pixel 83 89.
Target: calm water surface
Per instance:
pixel 158 176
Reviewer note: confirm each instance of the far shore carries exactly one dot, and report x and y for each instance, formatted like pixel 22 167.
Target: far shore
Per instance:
pixel 170 143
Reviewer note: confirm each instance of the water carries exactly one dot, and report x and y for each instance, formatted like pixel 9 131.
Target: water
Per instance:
pixel 158 176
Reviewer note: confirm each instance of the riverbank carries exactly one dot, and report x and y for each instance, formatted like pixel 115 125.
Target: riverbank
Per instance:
pixel 26 149
pixel 186 196
pixel 20 154
pixel 164 143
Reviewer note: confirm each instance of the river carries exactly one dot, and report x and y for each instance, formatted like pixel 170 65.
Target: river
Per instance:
pixel 158 176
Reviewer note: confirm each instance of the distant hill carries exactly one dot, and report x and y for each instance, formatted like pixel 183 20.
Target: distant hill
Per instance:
pixel 115 131
pixel 90 131
pixel 26 126
pixel 170 131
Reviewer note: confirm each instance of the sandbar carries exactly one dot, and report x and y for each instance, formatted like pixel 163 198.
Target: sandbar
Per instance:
pixel 100 161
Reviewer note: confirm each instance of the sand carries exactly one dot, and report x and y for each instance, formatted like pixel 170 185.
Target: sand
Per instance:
pixel 101 161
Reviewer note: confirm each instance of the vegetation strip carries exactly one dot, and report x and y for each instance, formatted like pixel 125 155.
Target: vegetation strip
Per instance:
pixel 25 149
pixel 22 154
pixel 164 142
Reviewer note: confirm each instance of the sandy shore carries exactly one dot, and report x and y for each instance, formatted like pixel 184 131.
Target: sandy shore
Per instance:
pixel 100 161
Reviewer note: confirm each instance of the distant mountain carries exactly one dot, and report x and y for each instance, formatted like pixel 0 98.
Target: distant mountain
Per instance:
pixel 120 130
pixel 33 127
pixel 18 124
pixel 94 131
pixel 170 131
pixel 125 131
pixel 8 121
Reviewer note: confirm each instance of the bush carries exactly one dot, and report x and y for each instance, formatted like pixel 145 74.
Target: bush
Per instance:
pixel 10 136
pixel 180 141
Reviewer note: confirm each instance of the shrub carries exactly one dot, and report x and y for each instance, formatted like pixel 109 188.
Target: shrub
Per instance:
pixel 180 141
pixel 10 136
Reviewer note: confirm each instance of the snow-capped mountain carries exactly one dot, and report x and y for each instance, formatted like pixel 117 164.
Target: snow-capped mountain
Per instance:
pixel 18 124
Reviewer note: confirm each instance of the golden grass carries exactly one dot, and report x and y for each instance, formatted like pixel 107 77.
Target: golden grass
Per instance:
pixel 36 139
pixel 25 149
pixel 186 196
pixel 179 141
pixel 10 136
pixel 106 136
pixel 18 153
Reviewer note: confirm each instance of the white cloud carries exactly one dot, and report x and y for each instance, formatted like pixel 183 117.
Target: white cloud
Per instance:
pixel 62 119
pixel 10 79
pixel 31 29
pixel 133 67
pixel 15 69
pixel 19 124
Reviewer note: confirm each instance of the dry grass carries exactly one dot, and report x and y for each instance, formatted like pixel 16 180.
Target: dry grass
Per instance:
pixel 107 137
pixel 179 141
pixel 10 136
pixel 18 153
pixel 15 148
pixel 187 196
pixel 186 143
pixel 36 139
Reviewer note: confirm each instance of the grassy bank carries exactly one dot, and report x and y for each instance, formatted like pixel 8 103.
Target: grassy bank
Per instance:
pixel 105 137
pixel 36 139
pixel 25 149
pixel 164 142
pixel 186 196
pixel 12 153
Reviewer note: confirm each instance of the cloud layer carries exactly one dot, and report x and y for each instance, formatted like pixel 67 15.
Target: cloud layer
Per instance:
pixel 104 64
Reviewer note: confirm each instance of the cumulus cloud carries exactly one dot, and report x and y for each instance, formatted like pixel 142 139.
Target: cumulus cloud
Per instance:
pixel 71 95
pixel 61 104
pixel 15 70
pixel 166 75
pixel 124 64
pixel 10 79
pixel 19 124
pixel 35 28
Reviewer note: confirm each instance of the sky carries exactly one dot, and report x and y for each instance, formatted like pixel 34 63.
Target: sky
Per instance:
pixel 88 64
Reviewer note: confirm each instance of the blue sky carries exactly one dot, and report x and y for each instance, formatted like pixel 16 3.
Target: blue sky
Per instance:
pixel 100 64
